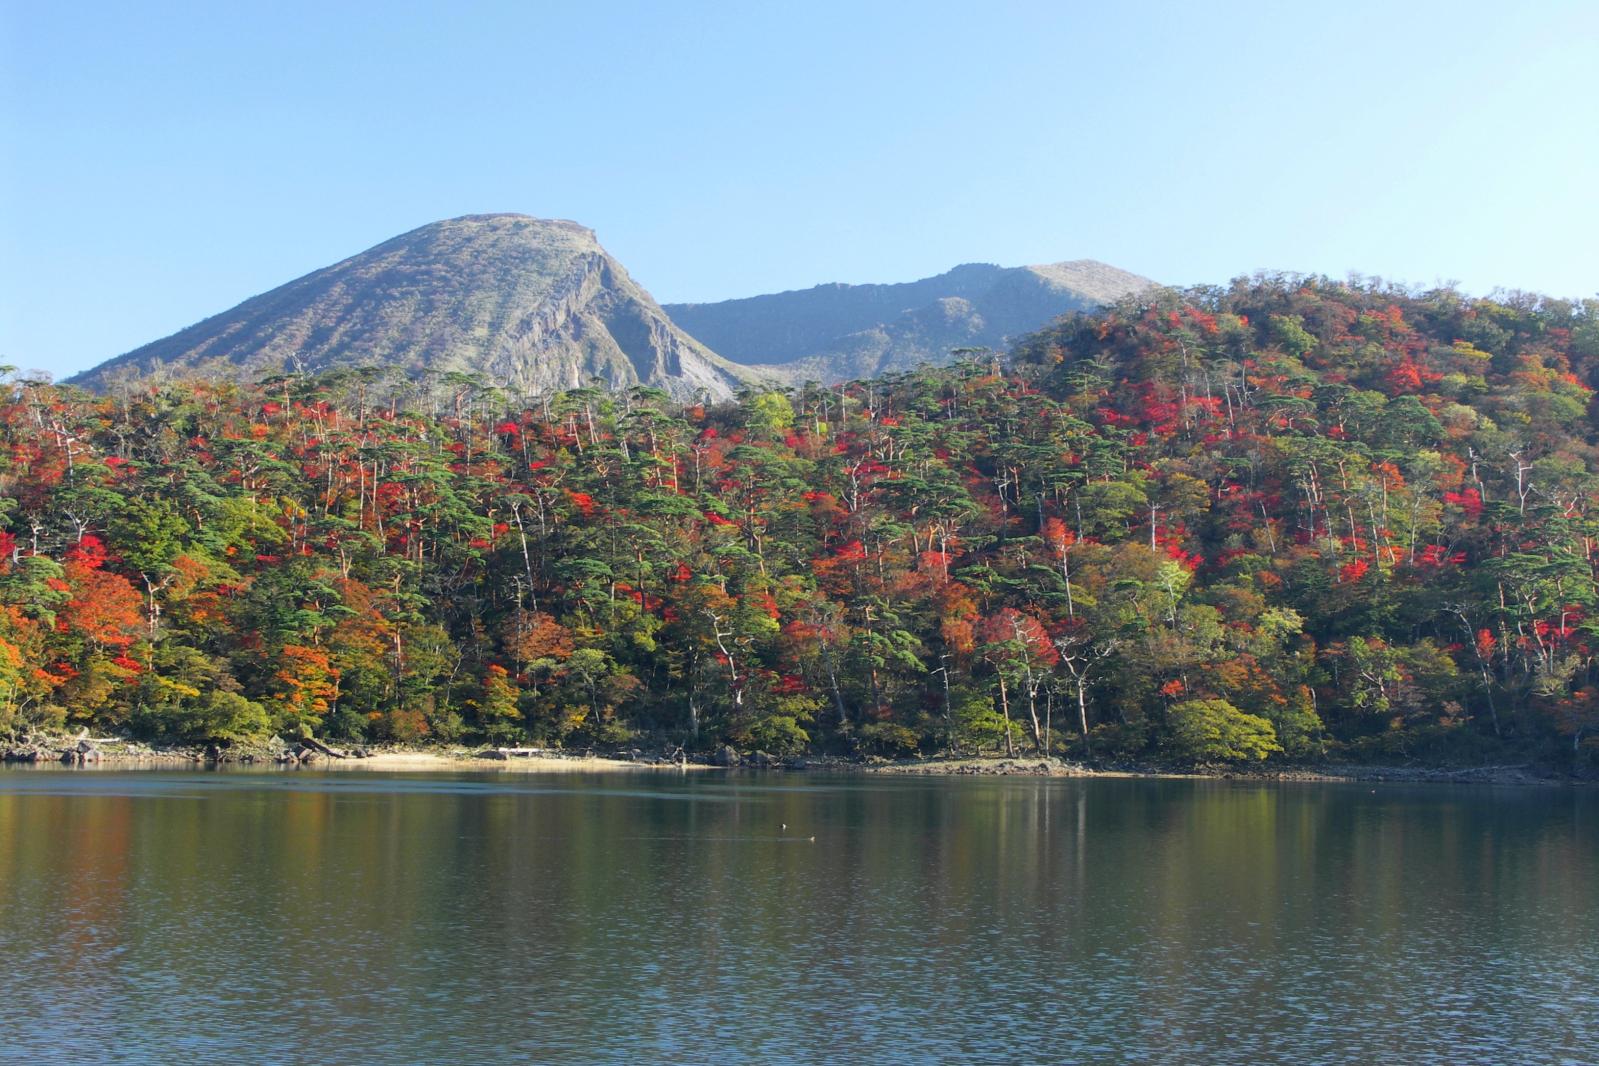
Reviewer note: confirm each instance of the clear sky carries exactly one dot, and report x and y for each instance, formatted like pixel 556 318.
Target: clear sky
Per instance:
pixel 161 162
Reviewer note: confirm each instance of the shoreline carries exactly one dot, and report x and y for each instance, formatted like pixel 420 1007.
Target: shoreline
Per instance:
pixel 1329 773
pixel 119 755
pixel 108 754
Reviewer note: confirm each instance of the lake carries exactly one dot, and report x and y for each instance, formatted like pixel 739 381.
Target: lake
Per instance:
pixel 381 918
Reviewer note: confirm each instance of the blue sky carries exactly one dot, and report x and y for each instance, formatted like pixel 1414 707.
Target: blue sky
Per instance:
pixel 161 162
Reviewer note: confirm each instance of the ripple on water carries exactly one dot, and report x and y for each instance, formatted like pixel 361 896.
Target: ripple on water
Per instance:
pixel 298 917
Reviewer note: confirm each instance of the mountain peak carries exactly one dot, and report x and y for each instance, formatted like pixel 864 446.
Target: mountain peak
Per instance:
pixel 506 220
pixel 533 304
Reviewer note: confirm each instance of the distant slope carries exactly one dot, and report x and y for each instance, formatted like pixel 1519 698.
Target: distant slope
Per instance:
pixel 837 332
pixel 534 304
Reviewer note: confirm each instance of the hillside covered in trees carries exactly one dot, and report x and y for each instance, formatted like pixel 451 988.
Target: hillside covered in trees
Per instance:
pixel 1286 519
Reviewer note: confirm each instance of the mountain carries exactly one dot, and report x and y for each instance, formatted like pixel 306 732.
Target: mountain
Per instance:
pixel 837 332
pixel 539 306
pixel 535 304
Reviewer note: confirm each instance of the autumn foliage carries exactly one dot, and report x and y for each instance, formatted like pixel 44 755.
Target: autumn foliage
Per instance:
pixel 1282 518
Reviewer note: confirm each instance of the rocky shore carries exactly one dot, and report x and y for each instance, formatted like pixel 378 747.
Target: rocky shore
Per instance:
pixel 1040 767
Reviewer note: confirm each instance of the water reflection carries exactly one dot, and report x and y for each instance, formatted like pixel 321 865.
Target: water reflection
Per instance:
pixel 481 918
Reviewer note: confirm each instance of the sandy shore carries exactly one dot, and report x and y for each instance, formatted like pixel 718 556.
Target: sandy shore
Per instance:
pixel 424 761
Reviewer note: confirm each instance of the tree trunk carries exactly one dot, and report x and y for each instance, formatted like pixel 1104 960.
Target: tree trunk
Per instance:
pixel 1032 714
pixel 1004 706
pixel 1082 716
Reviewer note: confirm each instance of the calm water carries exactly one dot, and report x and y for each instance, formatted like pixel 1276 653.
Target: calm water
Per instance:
pixel 297 917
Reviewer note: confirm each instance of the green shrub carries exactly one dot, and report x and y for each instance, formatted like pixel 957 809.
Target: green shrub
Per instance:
pixel 1216 731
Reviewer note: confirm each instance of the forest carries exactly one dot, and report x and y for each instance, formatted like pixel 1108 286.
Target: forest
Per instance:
pixel 1288 519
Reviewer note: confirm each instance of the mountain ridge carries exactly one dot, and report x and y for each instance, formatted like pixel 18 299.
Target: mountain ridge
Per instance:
pixel 838 331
